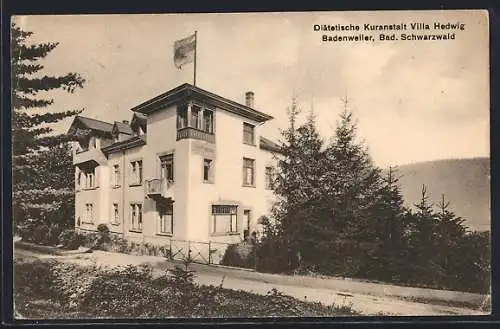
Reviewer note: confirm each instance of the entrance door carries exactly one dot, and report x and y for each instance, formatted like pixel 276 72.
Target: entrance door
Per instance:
pixel 246 223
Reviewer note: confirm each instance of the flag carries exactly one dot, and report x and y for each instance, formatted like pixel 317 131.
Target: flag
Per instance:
pixel 184 51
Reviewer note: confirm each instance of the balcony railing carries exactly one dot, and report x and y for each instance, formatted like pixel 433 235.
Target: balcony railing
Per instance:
pixel 159 188
pixel 194 133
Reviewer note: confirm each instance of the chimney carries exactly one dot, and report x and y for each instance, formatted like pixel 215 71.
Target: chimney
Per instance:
pixel 249 98
pixel 125 122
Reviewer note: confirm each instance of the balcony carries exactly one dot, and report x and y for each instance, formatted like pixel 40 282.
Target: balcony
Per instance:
pixel 159 188
pixel 193 133
pixel 93 154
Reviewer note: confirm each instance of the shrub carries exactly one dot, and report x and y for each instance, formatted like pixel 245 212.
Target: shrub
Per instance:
pixel 118 244
pixel 121 291
pixel 103 229
pixel 32 278
pixel 71 239
pixel 71 283
pixel 182 276
pixel 38 231
pixel 132 292
pixel 240 255
pixel 100 240
pixel 272 256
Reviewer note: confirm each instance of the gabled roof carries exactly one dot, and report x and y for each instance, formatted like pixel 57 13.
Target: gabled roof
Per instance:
pixel 92 124
pixel 122 128
pixel 124 145
pixel 268 144
pixel 188 91
pixel 139 118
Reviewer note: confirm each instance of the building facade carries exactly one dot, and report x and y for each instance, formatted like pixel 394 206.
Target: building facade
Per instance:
pixel 189 166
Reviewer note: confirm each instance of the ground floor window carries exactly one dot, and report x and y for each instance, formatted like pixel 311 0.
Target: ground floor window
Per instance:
pixel 224 219
pixel 89 213
pixel 136 217
pixel 115 214
pixel 165 218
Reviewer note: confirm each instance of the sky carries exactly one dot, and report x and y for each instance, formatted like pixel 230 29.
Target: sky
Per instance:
pixel 413 100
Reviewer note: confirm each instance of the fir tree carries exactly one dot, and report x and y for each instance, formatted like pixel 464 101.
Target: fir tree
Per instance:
pixel 388 255
pixel 351 183
pixel 297 183
pixel 422 238
pixel 450 226
pixel 306 212
pixel 450 233
pixel 33 139
pixel 287 181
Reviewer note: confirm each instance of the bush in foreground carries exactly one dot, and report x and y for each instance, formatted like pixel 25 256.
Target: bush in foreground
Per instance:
pixel 134 292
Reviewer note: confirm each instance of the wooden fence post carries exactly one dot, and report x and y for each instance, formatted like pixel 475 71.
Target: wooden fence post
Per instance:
pixel 170 248
pixel 209 252
pixel 255 259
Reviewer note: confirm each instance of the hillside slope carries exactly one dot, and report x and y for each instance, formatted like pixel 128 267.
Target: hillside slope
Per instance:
pixel 464 182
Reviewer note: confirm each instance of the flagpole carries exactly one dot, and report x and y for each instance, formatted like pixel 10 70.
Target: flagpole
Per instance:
pixel 195 46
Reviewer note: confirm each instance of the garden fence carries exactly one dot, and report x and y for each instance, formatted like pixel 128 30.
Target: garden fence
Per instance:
pixel 196 251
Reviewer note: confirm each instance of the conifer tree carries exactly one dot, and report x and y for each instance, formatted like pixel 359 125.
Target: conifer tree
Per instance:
pixel 450 234
pixel 387 224
pixel 450 226
pixel 297 183
pixel 286 186
pixel 287 181
pixel 33 139
pixel 306 213
pixel 351 183
pixel 422 239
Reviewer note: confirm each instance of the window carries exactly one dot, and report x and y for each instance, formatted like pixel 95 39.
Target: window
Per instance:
pixel 208 121
pixel 136 176
pixel 89 177
pixel 115 176
pixel 165 218
pixel 195 116
pixel 269 178
pixel 207 170
pixel 248 134
pixel 224 219
pixel 115 214
pixel 182 118
pixel 89 213
pixel 135 217
pixel 167 168
pixel 248 172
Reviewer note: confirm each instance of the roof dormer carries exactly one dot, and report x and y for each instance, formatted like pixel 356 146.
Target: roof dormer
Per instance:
pixel 139 124
pixel 121 131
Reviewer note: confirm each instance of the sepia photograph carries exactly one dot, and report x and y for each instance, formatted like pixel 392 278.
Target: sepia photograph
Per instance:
pixel 251 165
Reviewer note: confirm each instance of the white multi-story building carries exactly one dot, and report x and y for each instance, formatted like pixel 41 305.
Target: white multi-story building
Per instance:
pixel 190 165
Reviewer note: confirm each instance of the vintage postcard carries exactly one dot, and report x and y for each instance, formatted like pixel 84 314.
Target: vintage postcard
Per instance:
pixel 251 165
